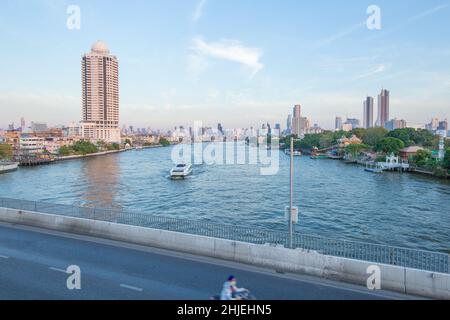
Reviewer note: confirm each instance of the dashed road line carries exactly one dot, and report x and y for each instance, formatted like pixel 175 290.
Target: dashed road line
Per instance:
pixel 58 269
pixel 126 286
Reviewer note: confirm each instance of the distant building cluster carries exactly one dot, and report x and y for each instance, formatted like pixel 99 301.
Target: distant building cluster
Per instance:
pixel 38 138
pixel 299 125
pixel 439 127
pixel 383 116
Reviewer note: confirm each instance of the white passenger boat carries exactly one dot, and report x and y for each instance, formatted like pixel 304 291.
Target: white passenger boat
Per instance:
pixel 8 166
pixel 374 168
pixel 296 153
pixel 181 171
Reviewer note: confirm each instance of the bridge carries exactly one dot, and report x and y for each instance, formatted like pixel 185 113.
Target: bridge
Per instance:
pixel 33 265
pixel 221 249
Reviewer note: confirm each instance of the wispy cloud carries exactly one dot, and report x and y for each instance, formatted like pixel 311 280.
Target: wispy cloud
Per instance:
pixel 231 50
pixel 410 20
pixel 429 12
pixel 339 35
pixel 198 12
pixel 375 70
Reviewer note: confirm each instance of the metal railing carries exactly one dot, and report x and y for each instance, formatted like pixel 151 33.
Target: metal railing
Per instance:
pixel 411 258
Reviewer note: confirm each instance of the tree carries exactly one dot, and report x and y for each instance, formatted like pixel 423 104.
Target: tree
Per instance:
pixel 164 142
pixel 423 138
pixel 407 135
pixel 390 145
pixel 338 135
pixel 446 162
pixel 113 146
pixel 64 151
pixel 373 136
pixel 6 151
pixel 309 142
pixel 355 149
pixel 359 132
pixel 422 157
pixel 326 140
pixel 84 147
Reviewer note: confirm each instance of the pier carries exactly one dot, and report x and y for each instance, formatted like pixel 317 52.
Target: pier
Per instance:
pixel 32 161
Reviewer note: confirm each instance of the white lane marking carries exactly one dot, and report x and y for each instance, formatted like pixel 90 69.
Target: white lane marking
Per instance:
pixel 4 257
pixel 131 287
pixel 58 270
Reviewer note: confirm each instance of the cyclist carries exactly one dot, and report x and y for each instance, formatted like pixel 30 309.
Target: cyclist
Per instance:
pixel 229 289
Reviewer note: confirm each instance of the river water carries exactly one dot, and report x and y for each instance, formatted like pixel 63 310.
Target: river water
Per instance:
pixel 335 199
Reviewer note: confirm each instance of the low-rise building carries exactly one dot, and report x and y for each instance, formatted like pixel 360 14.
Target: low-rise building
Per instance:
pixel 347 141
pixel 12 137
pixel 394 124
pixel 32 145
pixel 347 127
pixel 408 152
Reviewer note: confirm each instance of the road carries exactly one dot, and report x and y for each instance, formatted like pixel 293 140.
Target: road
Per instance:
pixel 33 265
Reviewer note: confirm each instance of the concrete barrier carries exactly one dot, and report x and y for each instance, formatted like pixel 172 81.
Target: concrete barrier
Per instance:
pixel 393 278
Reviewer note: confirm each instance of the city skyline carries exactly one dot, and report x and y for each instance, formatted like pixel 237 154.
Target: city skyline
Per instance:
pixel 204 69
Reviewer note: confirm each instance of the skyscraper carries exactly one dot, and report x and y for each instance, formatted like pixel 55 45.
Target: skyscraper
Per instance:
pixel 297 120
pixel 368 113
pixel 289 124
pixel 338 124
pixel 22 124
pixel 220 128
pixel 383 108
pixel 100 81
pixel 297 111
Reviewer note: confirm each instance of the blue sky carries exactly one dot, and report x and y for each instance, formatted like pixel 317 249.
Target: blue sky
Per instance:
pixel 241 63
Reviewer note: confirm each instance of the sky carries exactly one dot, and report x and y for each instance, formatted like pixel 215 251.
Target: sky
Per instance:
pixel 240 63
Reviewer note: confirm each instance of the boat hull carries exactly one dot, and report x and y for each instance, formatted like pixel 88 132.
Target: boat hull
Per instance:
pixel 374 170
pixel 180 174
pixel 8 167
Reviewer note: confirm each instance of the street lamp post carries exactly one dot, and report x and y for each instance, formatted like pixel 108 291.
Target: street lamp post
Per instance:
pixel 291 195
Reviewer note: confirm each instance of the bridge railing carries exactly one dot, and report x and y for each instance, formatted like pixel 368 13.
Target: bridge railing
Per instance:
pixel 405 257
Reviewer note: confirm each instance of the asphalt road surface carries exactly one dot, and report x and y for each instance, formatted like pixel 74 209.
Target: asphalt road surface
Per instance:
pixel 33 264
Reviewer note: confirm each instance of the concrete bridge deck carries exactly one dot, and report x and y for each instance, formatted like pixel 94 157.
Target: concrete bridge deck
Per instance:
pixel 33 261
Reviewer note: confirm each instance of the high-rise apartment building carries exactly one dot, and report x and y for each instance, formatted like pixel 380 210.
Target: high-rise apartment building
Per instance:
pixel 289 124
pixel 383 108
pixel 297 113
pixel 368 113
pixel 100 81
pixel 298 123
pixel 338 123
pixel 22 124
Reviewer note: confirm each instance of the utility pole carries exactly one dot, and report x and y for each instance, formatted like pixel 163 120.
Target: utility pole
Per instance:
pixel 291 196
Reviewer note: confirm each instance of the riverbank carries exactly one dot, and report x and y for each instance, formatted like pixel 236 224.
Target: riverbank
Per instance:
pixel 96 154
pixel 418 171
pixel 102 153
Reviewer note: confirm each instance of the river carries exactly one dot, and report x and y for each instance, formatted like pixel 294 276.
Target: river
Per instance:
pixel 335 199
